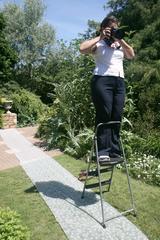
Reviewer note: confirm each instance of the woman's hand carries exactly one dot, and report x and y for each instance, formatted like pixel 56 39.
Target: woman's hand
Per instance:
pixel 105 33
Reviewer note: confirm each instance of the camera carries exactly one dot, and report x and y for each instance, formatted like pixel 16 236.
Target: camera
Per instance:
pixel 117 33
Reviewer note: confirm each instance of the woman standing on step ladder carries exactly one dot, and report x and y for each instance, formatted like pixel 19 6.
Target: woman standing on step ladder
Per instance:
pixel 107 85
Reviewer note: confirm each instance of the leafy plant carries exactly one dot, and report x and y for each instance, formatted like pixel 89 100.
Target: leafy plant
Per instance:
pixel 11 227
pixel 80 145
pixel 145 167
pixel 28 107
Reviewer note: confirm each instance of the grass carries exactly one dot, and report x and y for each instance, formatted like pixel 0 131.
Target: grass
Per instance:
pixel 147 197
pixel 34 212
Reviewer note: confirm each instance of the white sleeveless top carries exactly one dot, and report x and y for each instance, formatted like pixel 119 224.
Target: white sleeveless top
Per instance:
pixel 108 60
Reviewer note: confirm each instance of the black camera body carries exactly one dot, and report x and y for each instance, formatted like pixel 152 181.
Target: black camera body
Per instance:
pixel 117 33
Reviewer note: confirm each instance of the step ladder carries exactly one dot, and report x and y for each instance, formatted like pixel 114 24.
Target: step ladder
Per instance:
pixel 106 167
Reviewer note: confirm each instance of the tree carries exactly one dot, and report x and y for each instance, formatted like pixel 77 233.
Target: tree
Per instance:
pixel 7 56
pixel 29 36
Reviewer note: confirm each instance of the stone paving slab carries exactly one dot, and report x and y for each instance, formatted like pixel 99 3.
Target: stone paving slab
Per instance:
pixel 7 157
pixel 79 218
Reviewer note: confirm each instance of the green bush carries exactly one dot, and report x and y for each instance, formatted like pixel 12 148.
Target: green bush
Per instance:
pixel 1 112
pixel 28 106
pixel 11 227
pixel 79 145
pixel 150 145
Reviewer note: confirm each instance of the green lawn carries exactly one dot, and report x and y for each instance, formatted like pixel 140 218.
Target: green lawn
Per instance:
pixel 147 198
pixel 33 210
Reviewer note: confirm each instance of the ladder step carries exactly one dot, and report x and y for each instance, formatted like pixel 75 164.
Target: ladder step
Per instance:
pixel 112 162
pixel 94 185
pixel 102 170
pixel 107 169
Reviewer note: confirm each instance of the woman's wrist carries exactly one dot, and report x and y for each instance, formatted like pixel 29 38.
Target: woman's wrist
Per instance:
pixel 127 49
pixel 123 43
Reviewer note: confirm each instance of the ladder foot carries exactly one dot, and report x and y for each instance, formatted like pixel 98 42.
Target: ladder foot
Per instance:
pixel 103 225
pixel 135 213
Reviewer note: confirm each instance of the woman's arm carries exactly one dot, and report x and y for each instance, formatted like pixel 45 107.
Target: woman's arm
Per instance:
pixel 127 49
pixel 89 46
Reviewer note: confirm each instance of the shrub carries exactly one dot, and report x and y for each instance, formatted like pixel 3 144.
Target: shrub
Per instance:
pixel 11 227
pixel 145 168
pixel 1 122
pixel 80 145
pixel 150 145
pixel 28 106
pixel 59 132
pixel 141 162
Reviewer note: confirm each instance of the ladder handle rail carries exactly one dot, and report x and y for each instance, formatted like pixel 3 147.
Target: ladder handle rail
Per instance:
pixel 106 124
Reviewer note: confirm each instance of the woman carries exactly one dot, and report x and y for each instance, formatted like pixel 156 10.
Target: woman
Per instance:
pixel 107 86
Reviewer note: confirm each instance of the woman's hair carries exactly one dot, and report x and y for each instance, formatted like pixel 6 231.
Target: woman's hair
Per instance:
pixel 107 20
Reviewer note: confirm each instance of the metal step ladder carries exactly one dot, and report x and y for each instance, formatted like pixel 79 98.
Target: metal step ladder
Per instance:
pixel 106 167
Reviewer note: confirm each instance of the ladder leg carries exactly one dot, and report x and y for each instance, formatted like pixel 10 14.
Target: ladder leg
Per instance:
pixel 128 177
pixel 84 187
pixel 111 179
pixel 88 168
pixel 100 186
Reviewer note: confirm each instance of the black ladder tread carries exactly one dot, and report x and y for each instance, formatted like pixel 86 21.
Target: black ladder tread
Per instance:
pixel 94 172
pixel 94 185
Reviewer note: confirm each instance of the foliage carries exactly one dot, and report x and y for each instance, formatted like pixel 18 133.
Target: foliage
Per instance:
pixel 31 38
pixel 1 122
pixel 28 107
pixel 11 226
pixel 143 156
pixel 72 109
pixel 145 167
pixel 2 100
pixel 59 132
pixel 7 55
pixel 79 146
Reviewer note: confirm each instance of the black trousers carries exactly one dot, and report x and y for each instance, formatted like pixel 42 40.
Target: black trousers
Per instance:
pixel 108 95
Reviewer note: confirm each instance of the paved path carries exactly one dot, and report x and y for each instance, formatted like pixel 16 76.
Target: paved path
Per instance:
pixel 7 157
pixel 79 218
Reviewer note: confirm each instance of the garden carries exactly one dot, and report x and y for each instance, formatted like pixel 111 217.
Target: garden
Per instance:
pixel 48 82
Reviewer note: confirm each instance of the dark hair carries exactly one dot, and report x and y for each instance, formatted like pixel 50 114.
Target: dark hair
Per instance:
pixel 107 20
